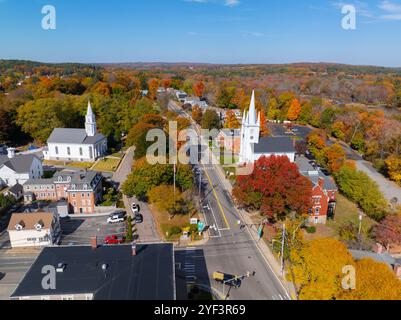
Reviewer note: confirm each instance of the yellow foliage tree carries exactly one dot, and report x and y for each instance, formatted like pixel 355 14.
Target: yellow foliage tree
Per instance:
pixel 317 268
pixel 294 111
pixel 231 120
pixel 393 164
pixel 374 281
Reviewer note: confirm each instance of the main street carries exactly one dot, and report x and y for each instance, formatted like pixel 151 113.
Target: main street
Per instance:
pixel 230 249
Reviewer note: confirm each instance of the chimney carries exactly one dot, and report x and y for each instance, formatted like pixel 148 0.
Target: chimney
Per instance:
pixel 94 242
pixel 133 247
pixel 11 153
pixel 378 248
pixel 397 270
pixel 321 183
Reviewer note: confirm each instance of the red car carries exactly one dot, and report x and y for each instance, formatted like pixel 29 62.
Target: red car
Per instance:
pixel 114 240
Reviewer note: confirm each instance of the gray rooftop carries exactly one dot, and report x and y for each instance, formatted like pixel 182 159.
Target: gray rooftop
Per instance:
pixel 274 145
pixel 73 136
pixel 32 182
pixel 307 170
pixel 20 163
pixel 147 276
pixel 378 257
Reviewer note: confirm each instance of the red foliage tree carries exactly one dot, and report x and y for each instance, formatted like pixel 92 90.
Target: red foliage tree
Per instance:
pixel 275 187
pixel 198 88
pixel 388 232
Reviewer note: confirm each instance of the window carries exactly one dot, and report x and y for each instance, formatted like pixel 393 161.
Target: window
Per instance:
pixel 56 150
pixel 80 151
pixel 67 297
pixel 317 210
pixel 69 151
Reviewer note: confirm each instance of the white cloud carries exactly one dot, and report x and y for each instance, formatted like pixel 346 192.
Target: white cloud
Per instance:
pixel 390 7
pixel 232 3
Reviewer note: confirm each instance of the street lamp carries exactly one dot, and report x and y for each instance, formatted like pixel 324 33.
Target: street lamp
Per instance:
pixel 360 224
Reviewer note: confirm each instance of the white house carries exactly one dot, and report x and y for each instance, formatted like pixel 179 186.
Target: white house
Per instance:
pixel 17 169
pixel 196 102
pixel 77 144
pixel 254 147
pixel 34 229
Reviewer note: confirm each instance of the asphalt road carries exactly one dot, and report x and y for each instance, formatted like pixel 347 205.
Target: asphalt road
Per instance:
pixel 12 270
pixel 230 249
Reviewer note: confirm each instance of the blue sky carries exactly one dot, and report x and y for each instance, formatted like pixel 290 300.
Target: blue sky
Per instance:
pixel 216 31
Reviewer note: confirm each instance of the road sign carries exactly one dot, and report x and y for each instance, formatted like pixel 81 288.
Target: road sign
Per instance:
pixel 201 226
pixel 194 221
pixel 260 231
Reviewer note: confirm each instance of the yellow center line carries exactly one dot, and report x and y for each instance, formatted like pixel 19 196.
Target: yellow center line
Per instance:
pixel 217 199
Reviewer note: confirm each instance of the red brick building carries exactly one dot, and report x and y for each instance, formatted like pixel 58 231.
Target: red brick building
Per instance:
pixel 324 192
pixel 82 190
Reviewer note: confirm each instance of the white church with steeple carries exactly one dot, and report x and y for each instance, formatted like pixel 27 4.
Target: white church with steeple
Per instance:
pixel 83 145
pixel 253 146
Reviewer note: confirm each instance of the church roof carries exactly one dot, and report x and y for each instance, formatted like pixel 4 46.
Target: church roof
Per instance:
pixel 73 136
pixel 20 163
pixel 274 145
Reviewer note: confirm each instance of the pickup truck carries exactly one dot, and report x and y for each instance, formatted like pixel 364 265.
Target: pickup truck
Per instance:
pixel 227 279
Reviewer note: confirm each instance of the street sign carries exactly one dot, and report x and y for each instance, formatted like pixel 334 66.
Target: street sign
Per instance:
pixel 260 231
pixel 194 221
pixel 201 226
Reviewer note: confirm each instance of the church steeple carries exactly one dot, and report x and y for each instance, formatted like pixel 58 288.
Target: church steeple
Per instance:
pixel 90 122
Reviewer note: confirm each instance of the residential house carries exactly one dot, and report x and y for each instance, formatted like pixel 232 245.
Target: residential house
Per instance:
pixel 16 191
pixel 116 272
pixel 181 96
pixel 230 140
pixel 77 144
pixel 18 168
pixel 193 101
pixel 324 192
pixel 81 189
pixel 34 229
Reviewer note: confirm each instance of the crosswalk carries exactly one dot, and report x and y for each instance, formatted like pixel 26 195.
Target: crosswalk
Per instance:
pixel 189 266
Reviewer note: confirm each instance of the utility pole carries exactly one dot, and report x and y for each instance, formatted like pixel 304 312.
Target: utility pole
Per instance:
pixel 282 250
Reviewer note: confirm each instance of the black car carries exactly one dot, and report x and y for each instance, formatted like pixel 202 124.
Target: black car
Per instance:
pixel 138 218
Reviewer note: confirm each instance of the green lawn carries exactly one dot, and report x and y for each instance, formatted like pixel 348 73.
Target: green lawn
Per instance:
pixel 107 165
pixel 81 165
pixel 347 211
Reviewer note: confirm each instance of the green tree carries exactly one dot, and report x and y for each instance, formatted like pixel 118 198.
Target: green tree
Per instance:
pixel 211 120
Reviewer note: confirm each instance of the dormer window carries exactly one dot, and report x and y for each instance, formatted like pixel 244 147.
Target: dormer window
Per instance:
pixel 19 227
pixel 85 186
pixel 73 187
pixel 39 225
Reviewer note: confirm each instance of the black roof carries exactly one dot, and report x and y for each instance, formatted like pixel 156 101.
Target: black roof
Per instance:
pixel 274 145
pixel 147 276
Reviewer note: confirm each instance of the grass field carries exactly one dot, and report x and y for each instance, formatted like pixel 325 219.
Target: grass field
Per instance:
pixel 107 165
pixel 80 165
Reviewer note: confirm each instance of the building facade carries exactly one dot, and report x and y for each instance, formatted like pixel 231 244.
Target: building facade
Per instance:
pixel 82 190
pixel 77 144
pixel 17 169
pixel 34 229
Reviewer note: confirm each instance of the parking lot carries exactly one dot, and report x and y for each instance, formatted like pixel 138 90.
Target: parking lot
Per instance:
pixel 78 231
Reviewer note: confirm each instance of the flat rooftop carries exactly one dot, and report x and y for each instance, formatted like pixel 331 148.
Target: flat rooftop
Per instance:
pixel 147 276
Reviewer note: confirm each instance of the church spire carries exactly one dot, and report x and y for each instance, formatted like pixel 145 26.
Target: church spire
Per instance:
pixel 252 110
pixel 90 121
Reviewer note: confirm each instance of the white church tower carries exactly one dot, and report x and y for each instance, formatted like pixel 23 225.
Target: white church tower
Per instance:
pixel 250 132
pixel 90 122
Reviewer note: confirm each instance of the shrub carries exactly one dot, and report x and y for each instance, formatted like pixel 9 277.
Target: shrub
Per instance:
pixel 311 230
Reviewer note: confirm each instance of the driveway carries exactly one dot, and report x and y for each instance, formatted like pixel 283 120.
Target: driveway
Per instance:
pixel 389 189
pixel 146 231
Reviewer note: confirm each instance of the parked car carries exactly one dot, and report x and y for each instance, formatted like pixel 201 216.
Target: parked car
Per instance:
pixel 117 217
pixel 114 240
pixel 138 218
pixel 227 279
pixel 135 208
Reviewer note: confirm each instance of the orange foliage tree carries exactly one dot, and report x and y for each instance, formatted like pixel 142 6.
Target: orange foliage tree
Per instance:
pixel 199 87
pixel 231 120
pixel 294 111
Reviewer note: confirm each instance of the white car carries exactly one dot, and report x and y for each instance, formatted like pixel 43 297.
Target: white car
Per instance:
pixel 135 208
pixel 117 217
